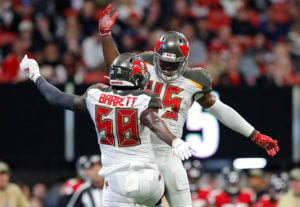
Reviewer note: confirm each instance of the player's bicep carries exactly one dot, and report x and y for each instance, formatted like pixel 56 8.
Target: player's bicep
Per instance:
pixel 80 104
pixel 207 100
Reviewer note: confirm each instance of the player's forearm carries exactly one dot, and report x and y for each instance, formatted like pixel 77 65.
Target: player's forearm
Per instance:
pixel 110 51
pixel 230 118
pixel 54 96
pixel 150 119
pixel 161 130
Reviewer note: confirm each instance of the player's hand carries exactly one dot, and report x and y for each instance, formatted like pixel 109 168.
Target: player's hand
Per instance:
pixel 106 22
pixel 181 149
pixel 30 68
pixel 266 142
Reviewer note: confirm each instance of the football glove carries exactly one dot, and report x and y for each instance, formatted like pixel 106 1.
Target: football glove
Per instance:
pixel 181 149
pixel 106 22
pixel 266 142
pixel 30 68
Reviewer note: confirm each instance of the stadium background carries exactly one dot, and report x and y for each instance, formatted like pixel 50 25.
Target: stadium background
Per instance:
pixel 251 49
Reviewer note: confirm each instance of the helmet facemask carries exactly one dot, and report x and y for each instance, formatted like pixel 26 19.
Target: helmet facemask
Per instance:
pixel 167 69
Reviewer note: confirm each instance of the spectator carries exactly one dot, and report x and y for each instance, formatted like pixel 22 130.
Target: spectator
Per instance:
pixel 282 68
pixel 10 194
pixel 277 187
pixel 232 75
pixel 72 32
pixel 260 52
pixel 203 30
pixel 270 28
pixel 241 24
pixel 259 5
pixel 181 8
pixel 70 69
pixel 292 197
pixel 10 66
pixel 231 7
pixel 197 48
pixel 215 64
pixel 39 193
pixel 92 52
pixel 88 19
pixel 154 15
pixel 42 34
pixel 294 37
pixel 9 20
pixel 26 33
pixel 217 19
pixel 257 182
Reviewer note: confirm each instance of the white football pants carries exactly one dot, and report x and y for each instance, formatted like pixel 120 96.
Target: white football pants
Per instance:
pixel 177 185
pixel 127 188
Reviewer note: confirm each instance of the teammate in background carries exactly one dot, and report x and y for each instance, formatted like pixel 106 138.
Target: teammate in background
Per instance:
pixel 179 87
pixel 89 194
pixel 71 185
pixel 123 115
pixel 232 194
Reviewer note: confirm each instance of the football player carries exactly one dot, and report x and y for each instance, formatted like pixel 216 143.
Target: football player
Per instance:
pixel 179 87
pixel 233 194
pixel 123 116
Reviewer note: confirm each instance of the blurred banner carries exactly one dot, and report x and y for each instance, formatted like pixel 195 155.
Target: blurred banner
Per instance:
pixel 31 131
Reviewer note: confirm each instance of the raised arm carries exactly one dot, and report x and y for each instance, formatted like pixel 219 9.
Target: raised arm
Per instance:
pixel 54 96
pixel 151 119
pixel 233 120
pixel 106 22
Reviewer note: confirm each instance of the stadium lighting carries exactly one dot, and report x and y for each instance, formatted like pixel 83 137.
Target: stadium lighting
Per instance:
pixel 249 163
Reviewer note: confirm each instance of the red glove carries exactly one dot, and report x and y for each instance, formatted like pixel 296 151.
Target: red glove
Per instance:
pixel 106 22
pixel 267 143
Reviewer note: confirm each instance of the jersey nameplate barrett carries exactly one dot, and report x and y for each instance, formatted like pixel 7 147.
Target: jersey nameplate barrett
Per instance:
pixel 114 100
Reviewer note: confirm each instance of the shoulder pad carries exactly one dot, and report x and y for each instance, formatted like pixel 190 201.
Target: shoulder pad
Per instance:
pixel 100 86
pixel 200 77
pixel 148 57
pixel 155 101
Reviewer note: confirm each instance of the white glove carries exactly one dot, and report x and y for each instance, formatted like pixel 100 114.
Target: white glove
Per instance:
pixel 181 149
pixel 30 68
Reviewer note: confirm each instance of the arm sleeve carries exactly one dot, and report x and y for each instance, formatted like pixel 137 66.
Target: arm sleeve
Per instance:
pixel 230 118
pixel 54 96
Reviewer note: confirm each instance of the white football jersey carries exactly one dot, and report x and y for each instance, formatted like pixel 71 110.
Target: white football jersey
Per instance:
pixel 177 97
pixel 116 115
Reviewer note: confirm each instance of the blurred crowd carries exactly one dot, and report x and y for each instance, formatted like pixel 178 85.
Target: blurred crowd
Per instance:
pixel 240 42
pixel 85 189
pixel 230 187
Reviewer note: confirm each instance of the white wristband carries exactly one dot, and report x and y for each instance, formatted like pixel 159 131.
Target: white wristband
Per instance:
pixel 35 76
pixel 230 118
